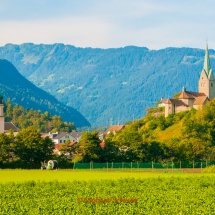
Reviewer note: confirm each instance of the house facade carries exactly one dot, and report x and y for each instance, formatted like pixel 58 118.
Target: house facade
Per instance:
pixel 76 135
pixel 187 99
pixel 63 137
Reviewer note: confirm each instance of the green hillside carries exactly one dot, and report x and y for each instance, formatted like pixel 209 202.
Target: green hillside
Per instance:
pixel 21 91
pixel 186 136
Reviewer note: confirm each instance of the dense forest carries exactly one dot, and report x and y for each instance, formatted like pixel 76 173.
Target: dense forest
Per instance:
pixel 43 122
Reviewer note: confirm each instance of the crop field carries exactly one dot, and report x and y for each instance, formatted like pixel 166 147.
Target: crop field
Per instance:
pixel 70 175
pixel 88 192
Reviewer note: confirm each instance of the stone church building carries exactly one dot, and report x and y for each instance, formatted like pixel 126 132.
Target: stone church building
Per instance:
pixel 186 99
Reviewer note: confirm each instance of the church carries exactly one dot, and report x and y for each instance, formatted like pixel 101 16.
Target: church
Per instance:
pixel 187 99
pixel 5 127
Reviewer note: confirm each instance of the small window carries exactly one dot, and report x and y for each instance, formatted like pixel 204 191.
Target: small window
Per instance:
pixel 60 141
pixel 211 84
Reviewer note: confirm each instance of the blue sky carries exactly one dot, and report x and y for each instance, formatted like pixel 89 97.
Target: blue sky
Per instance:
pixel 155 24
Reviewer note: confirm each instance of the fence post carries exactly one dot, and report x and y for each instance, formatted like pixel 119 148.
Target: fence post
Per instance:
pixel 193 164
pixel 152 166
pixel 131 166
pixel 107 166
pixel 112 166
pixel 138 166
pixel 74 166
pixel 180 164
pixel 122 165
pixel 206 163
pixel 201 167
pixel 172 166
pixel 90 165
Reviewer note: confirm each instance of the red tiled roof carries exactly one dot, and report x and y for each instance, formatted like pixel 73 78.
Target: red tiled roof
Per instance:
pixel 72 143
pixel 115 128
pixel 190 95
pixel 200 100
pixel 168 101
pixel 176 102
pixel 58 146
pixel 102 144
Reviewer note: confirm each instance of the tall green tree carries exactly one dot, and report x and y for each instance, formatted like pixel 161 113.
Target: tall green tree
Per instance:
pixel 89 147
pixel 31 148
pixel 6 147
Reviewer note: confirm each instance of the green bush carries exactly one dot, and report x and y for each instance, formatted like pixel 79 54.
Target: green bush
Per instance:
pixel 209 169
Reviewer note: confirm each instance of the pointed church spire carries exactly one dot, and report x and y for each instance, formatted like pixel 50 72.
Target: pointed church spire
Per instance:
pixel 207 66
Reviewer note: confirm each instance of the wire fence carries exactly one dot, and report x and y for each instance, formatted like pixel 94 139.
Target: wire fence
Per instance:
pixel 181 166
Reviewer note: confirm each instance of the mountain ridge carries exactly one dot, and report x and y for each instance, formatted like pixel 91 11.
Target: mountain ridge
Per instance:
pixel 21 91
pixel 108 85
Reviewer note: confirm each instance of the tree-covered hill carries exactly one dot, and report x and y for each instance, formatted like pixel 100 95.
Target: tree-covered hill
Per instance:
pixel 105 84
pixel 21 91
pixel 185 136
pixel 43 122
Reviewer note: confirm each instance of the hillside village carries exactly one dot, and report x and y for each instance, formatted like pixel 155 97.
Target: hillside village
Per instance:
pixel 118 139
pixel 58 138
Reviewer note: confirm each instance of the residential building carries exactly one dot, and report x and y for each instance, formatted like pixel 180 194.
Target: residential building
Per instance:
pixel 115 128
pixel 76 135
pixel 63 137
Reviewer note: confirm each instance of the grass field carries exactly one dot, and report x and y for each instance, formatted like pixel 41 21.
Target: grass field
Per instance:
pixel 101 192
pixel 70 175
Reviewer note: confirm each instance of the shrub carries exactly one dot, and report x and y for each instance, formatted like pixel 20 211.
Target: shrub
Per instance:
pixel 209 169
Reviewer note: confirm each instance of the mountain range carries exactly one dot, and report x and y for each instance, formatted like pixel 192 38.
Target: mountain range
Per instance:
pixel 21 91
pixel 108 86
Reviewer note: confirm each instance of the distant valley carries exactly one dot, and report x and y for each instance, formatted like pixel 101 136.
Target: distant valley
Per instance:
pixel 108 85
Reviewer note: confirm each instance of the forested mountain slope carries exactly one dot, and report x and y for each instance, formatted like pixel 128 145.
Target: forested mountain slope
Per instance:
pixel 21 91
pixel 115 84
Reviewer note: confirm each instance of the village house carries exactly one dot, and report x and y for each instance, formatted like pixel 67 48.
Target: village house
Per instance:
pixel 115 128
pixel 187 99
pixel 62 137
pixel 76 135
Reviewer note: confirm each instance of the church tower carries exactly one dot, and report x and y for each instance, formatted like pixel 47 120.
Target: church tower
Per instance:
pixel 207 81
pixel 1 114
